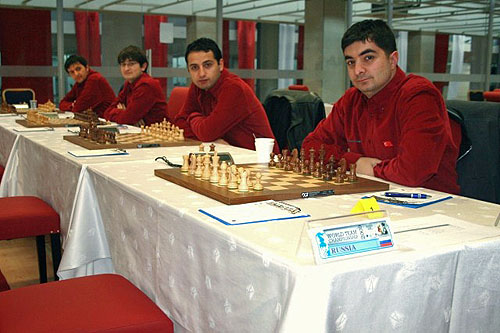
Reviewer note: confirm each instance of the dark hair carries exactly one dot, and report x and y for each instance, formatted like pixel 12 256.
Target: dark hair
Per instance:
pixel 376 31
pixel 133 53
pixel 73 59
pixel 204 44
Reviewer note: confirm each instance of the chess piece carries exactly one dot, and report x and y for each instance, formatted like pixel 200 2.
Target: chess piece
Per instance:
pixel 243 187
pixel 202 148
pixel 212 147
pixel 206 167
pixel 272 163
pixel 215 158
pixel 185 163
pixel 214 177
pixel 223 174
pixel 198 171
pixel 352 173
pixel 232 184
pixel 180 136
pixel 317 173
pixel 192 165
pixel 258 186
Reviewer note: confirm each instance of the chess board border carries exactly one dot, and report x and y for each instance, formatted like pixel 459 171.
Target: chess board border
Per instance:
pixel 30 124
pixel 230 197
pixel 91 145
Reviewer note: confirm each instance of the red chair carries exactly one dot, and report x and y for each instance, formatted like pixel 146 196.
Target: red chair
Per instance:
pixel 99 303
pixel 2 170
pixel 28 216
pixel 176 101
pixel 298 87
pixel 492 96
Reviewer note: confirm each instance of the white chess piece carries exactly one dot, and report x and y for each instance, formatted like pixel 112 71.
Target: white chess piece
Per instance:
pixel 185 164
pixel 223 174
pixel 233 184
pixel 258 186
pixel 243 187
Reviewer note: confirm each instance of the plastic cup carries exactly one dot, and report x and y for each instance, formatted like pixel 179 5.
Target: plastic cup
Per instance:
pixel 33 104
pixel 264 147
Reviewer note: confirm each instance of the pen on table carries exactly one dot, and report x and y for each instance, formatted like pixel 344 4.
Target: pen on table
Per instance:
pixel 407 195
pixel 148 145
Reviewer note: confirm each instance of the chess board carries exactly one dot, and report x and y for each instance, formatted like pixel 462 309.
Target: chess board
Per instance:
pixel 61 122
pixel 278 185
pixel 128 140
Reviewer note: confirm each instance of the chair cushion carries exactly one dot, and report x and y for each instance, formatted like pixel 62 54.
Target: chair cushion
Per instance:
pixel 98 303
pixel 26 216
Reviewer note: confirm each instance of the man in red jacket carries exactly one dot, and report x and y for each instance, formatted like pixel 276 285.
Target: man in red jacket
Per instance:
pixel 219 104
pixel 141 101
pixel 392 125
pixel 90 91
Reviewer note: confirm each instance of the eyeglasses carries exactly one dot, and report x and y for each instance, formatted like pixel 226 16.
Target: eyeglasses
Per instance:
pixel 129 64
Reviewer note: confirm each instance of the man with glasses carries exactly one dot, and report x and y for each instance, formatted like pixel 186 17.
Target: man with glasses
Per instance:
pixel 141 100
pixel 90 91
pixel 219 104
pixel 391 125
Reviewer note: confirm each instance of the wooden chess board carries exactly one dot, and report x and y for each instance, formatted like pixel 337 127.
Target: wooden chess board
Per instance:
pixel 56 122
pixel 129 140
pixel 278 185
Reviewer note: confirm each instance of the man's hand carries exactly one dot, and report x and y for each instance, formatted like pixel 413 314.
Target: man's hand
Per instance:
pixel 364 165
pixel 121 106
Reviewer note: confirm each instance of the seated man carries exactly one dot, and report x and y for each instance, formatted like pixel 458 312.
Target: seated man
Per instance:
pixel 219 104
pixel 141 101
pixel 393 126
pixel 90 91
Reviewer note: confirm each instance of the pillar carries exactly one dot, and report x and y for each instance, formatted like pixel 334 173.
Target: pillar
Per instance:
pixel 119 30
pixel 421 52
pixel 267 56
pixel 198 27
pixel 325 24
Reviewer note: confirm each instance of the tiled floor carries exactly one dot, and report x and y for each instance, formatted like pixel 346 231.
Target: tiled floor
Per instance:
pixel 19 263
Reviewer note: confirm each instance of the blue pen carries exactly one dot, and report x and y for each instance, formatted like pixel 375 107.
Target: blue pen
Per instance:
pixel 407 195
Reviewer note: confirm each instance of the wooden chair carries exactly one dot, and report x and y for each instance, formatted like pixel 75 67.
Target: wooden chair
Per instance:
pixel 29 216
pixel 18 95
pixel 99 303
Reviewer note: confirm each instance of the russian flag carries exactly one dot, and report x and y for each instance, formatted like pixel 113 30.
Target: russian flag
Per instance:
pixel 386 243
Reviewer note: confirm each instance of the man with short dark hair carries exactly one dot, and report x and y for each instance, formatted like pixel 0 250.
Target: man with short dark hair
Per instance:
pixel 90 91
pixel 141 101
pixel 219 104
pixel 391 125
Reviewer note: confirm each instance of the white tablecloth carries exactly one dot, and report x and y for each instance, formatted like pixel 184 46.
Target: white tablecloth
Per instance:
pixel 258 277
pixel 117 216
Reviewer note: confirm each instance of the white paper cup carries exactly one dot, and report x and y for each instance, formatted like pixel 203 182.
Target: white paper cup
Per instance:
pixel 264 147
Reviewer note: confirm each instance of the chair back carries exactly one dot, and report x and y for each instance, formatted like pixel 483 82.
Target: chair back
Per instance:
pixel 293 114
pixel 298 87
pixel 176 101
pixel 479 169
pixel 18 95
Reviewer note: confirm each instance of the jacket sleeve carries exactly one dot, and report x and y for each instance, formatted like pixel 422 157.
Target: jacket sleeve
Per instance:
pixel 66 103
pixel 229 111
pixel 90 95
pixel 139 104
pixel 330 134
pixel 425 133
pixel 112 109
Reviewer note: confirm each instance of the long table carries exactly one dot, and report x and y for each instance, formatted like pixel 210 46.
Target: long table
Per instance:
pixel 261 277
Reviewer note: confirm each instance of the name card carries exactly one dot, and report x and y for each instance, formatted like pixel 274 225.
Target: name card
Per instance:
pixel 334 242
